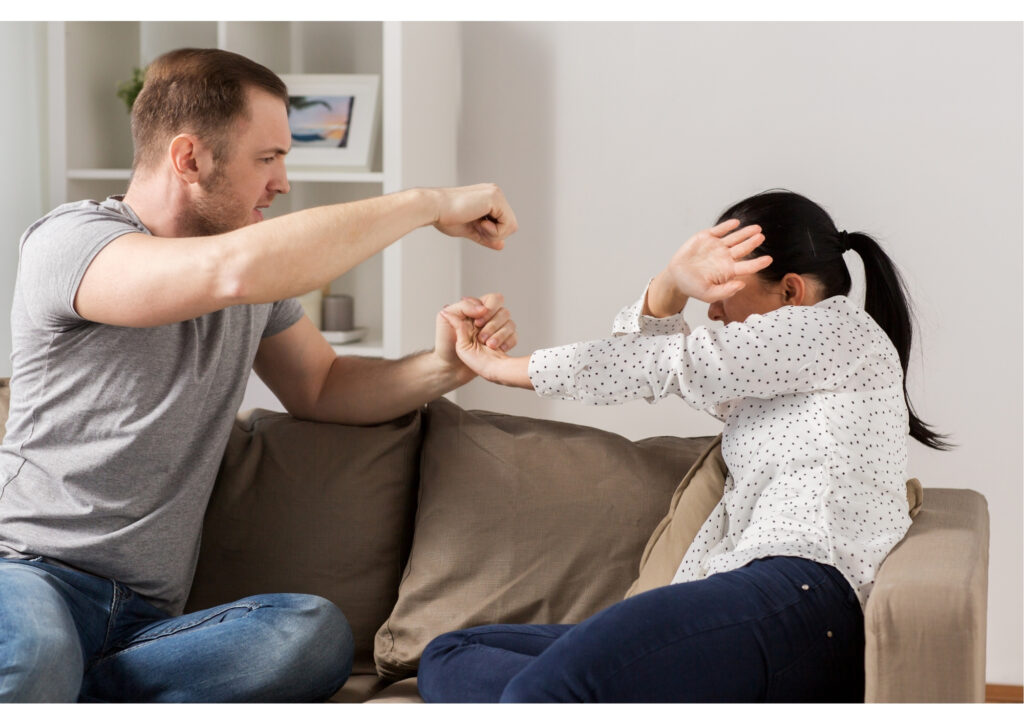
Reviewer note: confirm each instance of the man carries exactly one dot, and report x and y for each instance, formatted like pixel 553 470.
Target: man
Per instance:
pixel 136 323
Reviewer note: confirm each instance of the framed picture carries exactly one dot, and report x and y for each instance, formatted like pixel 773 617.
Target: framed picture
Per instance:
pixel 333 119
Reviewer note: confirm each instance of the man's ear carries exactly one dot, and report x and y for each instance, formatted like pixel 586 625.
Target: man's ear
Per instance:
pixel 184 152
pixel 794 289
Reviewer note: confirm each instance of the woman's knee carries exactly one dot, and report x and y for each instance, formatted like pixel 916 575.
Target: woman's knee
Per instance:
pixel 441 647
pixel 430 675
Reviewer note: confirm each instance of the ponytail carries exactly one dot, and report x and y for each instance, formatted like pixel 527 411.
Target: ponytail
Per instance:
pixel 801 238
pixel 886 300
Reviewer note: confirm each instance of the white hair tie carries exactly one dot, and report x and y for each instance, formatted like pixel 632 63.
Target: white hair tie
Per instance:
pixel 858 286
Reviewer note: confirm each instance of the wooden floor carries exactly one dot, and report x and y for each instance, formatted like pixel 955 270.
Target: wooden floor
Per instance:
pixel 1003 694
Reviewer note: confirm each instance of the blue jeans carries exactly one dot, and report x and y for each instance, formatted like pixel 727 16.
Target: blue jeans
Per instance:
pixel 778 629
pixel 68 636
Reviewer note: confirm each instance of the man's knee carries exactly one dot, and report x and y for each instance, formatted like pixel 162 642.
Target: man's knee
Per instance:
pixel 324 643
pixel 40 664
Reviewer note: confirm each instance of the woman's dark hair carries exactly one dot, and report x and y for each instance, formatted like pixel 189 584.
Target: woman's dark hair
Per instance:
pixel 801 238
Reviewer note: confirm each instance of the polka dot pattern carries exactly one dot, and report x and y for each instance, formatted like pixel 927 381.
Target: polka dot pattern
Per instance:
pixel 815 434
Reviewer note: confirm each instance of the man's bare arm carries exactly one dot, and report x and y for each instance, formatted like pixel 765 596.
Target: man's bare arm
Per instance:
pixel 314 384
pixel 140 280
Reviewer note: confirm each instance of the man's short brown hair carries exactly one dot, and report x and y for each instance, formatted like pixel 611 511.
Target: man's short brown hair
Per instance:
pixel 195 90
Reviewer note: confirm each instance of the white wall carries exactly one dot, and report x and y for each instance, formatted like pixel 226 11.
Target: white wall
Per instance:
pixel 614 142
pixel 22 126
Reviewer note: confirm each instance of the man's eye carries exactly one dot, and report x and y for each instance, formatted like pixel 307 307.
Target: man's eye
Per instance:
pixel 269 159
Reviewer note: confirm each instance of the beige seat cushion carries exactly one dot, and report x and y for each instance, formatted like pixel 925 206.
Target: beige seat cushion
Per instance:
pixel 358 689
pixel 405 691
pixel 303 507
pixel 524 521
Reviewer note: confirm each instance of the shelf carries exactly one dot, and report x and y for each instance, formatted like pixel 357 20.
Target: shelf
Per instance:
pixel 396 291
pixel 331 176
pixel 372 348
pixel 99 174
pixel 313 175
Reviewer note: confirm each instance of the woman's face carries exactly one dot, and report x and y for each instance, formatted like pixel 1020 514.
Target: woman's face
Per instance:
pixel 757 297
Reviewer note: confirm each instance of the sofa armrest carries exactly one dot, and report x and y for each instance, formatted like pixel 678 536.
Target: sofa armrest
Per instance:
pixel 926 616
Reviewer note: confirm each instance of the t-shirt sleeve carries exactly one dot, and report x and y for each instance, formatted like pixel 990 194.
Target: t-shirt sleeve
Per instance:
pixel 283 315
pixel 55 253
pixel 794 349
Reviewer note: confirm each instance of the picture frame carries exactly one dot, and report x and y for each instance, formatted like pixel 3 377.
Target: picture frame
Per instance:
pixel 333 119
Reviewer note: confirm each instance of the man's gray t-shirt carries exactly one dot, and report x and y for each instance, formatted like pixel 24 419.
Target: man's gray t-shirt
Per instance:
pixel 115 434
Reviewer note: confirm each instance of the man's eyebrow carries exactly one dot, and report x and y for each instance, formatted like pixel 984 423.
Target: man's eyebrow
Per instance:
pixel 275 150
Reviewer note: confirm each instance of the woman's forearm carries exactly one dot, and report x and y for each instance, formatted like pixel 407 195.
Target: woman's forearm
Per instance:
pixel 510 371
pixel 663 297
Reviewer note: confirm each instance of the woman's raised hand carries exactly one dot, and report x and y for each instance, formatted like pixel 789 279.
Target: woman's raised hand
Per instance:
pixel 706 267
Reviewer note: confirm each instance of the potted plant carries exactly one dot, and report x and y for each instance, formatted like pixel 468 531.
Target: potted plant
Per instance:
pixel 128 91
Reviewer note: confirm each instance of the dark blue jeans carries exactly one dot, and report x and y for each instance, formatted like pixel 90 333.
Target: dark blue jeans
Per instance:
pixel 778 629
pixel 67 636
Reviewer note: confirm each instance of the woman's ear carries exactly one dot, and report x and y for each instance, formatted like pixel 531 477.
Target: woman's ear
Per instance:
pixel 794 289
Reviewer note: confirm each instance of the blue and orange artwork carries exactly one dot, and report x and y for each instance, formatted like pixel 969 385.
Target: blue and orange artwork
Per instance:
pixel 320 121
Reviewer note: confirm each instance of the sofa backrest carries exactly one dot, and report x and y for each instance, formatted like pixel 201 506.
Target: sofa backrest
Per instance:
pixel 308 507
pixel 522 520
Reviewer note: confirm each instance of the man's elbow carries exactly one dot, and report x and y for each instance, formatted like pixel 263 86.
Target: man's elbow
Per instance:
pixel 229 267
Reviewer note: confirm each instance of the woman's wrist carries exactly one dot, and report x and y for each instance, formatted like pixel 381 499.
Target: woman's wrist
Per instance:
pixel 663 297
pixel 510 371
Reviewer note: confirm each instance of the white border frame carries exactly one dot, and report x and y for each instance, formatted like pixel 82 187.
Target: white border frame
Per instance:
pixel 364 123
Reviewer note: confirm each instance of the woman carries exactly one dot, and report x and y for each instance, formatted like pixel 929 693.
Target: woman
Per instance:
pixel 767 602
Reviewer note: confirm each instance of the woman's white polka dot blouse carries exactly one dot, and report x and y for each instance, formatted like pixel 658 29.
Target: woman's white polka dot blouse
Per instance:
pixel 815 434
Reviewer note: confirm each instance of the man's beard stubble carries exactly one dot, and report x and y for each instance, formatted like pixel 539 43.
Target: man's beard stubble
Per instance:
pixel 211 213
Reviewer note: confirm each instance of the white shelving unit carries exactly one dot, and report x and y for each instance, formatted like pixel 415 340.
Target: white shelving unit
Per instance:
pixel 396 293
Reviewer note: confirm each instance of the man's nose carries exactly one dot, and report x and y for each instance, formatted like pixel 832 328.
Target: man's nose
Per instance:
pixel 279 184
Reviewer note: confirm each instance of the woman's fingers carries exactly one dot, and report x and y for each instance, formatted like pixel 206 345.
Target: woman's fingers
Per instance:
pixel 751 266
pixel 497 321
pixel 504 338
pixel 724 291
pixel 742 248
pixel 741 235
pixel 724 228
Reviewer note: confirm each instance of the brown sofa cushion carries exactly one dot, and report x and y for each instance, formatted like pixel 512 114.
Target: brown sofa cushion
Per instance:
pixel 303 507
pixel 692 503
pixel 524 521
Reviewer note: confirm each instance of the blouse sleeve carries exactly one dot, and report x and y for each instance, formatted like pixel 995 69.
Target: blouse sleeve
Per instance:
pixel 793 349
pixel 632 320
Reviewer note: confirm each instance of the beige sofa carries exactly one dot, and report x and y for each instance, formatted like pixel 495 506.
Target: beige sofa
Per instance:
pixel 448 518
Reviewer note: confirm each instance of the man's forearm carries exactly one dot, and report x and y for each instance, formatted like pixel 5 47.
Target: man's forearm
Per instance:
pixel 364 391
pixel 293 254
